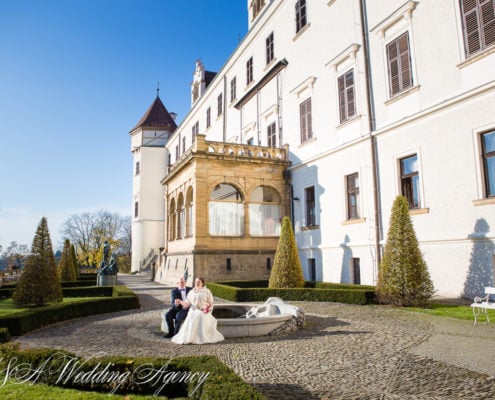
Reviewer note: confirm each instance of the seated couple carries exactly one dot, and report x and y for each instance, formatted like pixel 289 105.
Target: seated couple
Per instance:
pixel 191 311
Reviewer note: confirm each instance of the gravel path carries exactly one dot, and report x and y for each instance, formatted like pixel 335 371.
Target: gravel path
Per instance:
pixel 344 352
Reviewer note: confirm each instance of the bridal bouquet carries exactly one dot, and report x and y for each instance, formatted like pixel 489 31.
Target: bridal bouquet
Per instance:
pixel 206 308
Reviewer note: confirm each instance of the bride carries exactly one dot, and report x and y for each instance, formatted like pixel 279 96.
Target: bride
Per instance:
pixel 199 326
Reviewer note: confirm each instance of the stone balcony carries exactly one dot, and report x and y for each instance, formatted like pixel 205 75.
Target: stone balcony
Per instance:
pixel 240 152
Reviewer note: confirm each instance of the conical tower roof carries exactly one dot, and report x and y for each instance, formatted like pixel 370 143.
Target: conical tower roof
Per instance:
pixel 156 116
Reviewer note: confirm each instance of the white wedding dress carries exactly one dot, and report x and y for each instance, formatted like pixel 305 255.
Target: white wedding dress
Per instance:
pixel 198 327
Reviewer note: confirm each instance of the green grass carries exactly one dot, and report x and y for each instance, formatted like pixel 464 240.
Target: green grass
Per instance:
pixel 452 311
pixel 8 308
pixel 27 391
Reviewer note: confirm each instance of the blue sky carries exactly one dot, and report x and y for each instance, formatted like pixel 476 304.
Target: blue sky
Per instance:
pixel 75 77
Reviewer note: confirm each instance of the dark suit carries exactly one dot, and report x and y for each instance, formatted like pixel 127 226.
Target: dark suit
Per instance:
pixel 176 313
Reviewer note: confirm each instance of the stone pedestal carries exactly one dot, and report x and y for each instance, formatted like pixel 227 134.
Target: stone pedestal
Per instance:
pixel 106 280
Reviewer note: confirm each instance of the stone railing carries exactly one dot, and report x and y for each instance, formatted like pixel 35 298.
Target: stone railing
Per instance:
pixel 242 150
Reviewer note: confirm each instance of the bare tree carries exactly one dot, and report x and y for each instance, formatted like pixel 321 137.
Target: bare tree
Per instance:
pixel 15 255
pixel 88 231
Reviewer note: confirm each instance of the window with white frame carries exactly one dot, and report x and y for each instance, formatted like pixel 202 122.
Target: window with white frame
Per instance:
pixel 305 122
pixel 256 6
pixel 309 198
pixel 226 211
pixel 233 89
pixel 352 189
pixel 195 129
pixel 208 117
pixel 138 167
pixel 478 25
pixel 347 98
pixel 409 180
pixel 271 135
pixel 270 53
pixel 400 76
pixel 219 104
pixel 249 70
pixel 301 17
pixel 136 209
pixel 488 154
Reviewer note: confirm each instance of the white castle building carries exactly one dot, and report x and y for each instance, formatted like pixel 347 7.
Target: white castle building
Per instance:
pixel 370 99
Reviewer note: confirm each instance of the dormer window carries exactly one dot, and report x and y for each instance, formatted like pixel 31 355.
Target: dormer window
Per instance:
pixel 256 6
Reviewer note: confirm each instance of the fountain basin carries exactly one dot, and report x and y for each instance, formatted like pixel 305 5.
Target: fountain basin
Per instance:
pixel 232 323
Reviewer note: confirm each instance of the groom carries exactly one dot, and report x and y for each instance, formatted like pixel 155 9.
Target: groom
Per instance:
pixel 177 313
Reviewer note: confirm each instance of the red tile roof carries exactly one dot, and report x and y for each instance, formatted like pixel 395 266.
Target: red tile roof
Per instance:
pixel 157 116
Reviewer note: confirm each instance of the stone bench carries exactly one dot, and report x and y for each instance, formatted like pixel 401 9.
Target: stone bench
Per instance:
pixel 483 304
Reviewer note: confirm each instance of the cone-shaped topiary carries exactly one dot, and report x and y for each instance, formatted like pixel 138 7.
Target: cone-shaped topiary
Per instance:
pixel 74 260
pixel 403 277
pixel 66 265
pixel 287 270
pixel 39 282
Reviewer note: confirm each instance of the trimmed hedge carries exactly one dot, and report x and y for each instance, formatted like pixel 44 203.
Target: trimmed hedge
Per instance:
pixel 26 321
pixel 4 335
pixel 203 377
pixel 86 291
pixel 244 291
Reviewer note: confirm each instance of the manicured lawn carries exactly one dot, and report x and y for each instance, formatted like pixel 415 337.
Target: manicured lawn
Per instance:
pixel 27 391
pixel 452 311
pixel 8 308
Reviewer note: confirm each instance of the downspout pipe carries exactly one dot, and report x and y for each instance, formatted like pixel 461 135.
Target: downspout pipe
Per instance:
pixel 372 128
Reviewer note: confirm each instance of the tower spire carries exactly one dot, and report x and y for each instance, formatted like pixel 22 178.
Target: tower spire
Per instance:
pixel 158 89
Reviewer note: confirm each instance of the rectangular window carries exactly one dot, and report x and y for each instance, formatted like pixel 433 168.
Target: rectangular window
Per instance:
pixel 195 130
pixel 409 177
pixel 347 100
pixel 309 196
pixel 249 71
pixel 271 133
pixel 220 104
pixel 136 209
pixel 399 65
pixel 183 144
pixel 257 5
pixel 478 25
pixel 233 89
pixel 176 152
pixel 301 19
pixel 352 183
pixel 356 271
pixel 208 117
pixel 488 147
pixel 138 166
pixel 312 269
pixel 305 120
pixel 269 48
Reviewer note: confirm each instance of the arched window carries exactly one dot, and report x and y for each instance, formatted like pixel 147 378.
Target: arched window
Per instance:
pixel 171 221
pixel 226 211
pixel 181 222
pixel 189 212
pixel 264 212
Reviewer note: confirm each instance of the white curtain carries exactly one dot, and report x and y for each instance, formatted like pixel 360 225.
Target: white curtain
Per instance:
pixel 264 220
pixel 226 218
pixel 182 223
pixel 189 219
